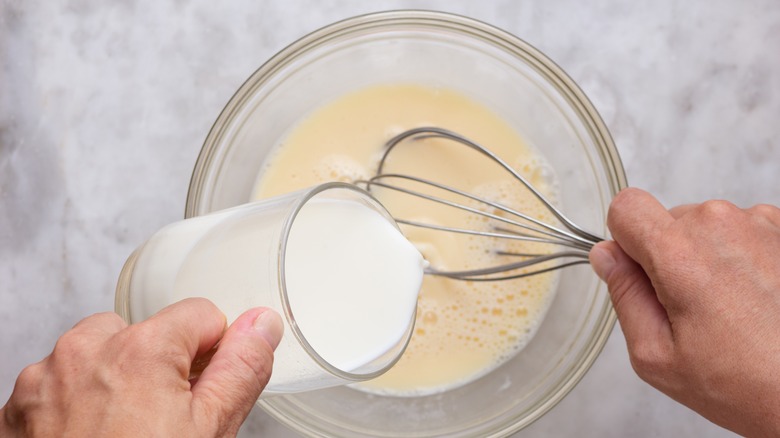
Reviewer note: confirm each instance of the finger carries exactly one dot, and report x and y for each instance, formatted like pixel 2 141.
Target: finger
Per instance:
pixel 681 210
pixel 643 319
pixel 637 220
pixel 240 369
pixel 193 324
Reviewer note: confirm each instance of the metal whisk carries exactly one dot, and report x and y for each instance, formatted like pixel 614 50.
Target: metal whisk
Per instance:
pixel 569 245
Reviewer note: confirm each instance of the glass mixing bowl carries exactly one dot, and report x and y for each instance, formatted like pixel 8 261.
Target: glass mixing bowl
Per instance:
pixel 535 97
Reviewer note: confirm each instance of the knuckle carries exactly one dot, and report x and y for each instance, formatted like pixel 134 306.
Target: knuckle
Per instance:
pixel 619 293
pixel 627 194
pixel 713 218
pixel 649 361
pixel 718 209
pixel 72 346
pixel 255 363
pixel 30 378
pixel 249 368
pixel 622 201
pixel 765 210
pixel 623 290
pixel 27 394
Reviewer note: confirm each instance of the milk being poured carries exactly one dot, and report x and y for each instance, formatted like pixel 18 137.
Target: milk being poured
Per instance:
pixel 352 281
pixel 351 277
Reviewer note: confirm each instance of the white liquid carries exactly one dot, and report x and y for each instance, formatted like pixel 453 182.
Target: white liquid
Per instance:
pixel 352 278
pixel 352 281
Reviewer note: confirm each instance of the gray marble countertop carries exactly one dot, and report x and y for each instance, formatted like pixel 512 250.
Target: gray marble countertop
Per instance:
pixel 104 106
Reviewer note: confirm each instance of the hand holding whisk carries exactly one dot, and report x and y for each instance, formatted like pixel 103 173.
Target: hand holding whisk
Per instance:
pixel 568 243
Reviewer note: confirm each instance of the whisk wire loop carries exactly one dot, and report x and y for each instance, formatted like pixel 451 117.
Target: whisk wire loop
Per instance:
pixel 428 132
pixel 526 228
pixel 566 238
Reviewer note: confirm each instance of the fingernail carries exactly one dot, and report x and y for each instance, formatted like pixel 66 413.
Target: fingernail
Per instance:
pixel 269 325
pixel 602 260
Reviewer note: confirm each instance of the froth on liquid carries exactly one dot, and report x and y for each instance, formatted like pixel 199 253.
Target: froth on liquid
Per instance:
pixel 463 329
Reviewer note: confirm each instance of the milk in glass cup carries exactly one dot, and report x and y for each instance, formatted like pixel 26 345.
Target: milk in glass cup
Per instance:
pixel 330 259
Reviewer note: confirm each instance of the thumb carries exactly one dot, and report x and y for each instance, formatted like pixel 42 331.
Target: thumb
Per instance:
pixel 239 370
pixel 643 319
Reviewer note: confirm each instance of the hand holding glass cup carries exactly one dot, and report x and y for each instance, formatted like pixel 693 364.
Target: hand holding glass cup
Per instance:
pixel 330 259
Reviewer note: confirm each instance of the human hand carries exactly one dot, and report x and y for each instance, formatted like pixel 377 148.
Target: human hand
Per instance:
pixel 105 378
pixel 697 293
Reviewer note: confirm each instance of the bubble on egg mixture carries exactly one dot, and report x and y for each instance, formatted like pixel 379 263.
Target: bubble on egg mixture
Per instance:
pixel 493 320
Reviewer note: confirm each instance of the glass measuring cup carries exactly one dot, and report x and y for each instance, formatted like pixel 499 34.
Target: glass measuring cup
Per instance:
pixel 237 258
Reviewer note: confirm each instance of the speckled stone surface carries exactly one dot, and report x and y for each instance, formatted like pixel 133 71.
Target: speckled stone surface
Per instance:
pixel 104 106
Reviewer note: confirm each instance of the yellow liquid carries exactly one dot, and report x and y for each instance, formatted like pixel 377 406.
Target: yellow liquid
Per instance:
pixel 463 329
